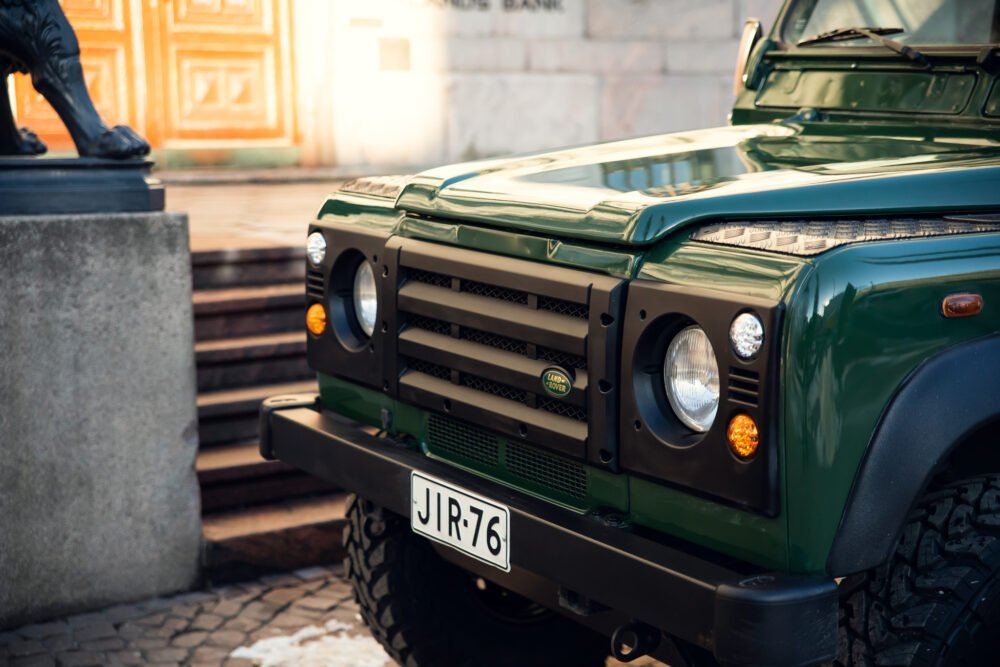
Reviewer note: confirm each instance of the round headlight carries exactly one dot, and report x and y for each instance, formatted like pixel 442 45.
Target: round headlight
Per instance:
pixel 365 298
pixel 691 378
pixel 316 248
pixel 747 335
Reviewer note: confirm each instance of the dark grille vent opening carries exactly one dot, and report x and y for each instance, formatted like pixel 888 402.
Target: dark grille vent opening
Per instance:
pixel 494 292
pixel 494 388
pixel 563 409
pixel 314 283
pixel 494 340
pixel 430 324
pixel 550 471
pixel 427 368
pixel 744 387
pixel 564 359
pixel 561 307
pixel 429 278
pixel 454 438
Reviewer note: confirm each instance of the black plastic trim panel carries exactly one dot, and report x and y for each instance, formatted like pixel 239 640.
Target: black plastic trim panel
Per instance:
pixel 654 442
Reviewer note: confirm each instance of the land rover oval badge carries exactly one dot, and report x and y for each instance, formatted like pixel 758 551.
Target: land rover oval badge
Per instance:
pixel 557 382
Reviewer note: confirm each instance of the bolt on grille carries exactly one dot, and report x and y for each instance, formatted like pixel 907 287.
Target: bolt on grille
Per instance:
pixel 454 438
pixel 547 470
pixel 491 326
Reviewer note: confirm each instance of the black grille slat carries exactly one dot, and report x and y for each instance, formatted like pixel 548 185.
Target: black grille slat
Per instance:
pixel 464 441
pixel 553 472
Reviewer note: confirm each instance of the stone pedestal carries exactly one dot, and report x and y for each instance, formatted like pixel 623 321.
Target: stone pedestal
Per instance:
pixel 98 428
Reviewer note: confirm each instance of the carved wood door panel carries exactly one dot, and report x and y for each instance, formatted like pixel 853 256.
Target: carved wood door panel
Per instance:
pixel 187 74
pixel 224 72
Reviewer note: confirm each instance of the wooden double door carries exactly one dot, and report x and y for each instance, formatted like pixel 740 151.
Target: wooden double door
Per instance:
pixel 186 74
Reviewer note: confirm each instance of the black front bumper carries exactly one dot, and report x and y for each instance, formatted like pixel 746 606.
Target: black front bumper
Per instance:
pixel 744 617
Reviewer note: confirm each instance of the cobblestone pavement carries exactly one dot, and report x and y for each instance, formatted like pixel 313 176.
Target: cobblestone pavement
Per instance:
pixel 302 619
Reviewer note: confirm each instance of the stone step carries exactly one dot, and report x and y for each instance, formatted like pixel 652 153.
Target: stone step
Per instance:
pixel 234 476
pixel 231 415
pixel 248 311
pixel 243 267
pixel 277 537
pixel 236 362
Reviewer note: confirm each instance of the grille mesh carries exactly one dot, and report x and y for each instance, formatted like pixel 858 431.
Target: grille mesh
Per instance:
pixel 494 292
pixel 494 340
pixel 564 359
pixel 430 324
pixel 427 368
pixel 430 278
pixel 550 471
pixel 562 409
pixel 495 388
pixel 460 440
pixel 561 307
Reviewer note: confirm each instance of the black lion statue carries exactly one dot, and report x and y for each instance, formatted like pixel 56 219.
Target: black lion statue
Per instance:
pixel 37 39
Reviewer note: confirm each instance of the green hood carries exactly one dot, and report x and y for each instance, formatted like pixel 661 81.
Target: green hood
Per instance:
pixel 636 192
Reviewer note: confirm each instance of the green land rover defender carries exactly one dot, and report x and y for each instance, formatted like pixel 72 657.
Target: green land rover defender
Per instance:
pixel 724 396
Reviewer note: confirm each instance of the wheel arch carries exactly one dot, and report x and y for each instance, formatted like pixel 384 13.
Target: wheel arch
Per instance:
pixel 939 416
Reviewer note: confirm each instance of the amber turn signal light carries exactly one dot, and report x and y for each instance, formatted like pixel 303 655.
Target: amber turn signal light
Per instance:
pixel 316 319
pixel 743 436
pixel 962 305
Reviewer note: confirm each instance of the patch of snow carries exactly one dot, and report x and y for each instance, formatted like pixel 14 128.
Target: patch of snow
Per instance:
pixel 313 646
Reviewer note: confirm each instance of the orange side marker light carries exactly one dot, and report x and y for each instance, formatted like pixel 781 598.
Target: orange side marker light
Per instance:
pixel 962 305
pixel 743 436
pixel 316 319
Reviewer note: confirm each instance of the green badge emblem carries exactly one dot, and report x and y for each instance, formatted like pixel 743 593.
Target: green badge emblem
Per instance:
pixel 557 382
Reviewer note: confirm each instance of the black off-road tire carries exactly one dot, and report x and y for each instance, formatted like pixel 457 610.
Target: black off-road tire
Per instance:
pixel 428 613
pixel 937 602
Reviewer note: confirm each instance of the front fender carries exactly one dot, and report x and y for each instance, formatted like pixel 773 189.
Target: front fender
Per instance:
pixel 945 399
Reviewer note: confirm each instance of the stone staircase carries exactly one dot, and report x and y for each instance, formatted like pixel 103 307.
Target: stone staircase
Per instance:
pixel 250 343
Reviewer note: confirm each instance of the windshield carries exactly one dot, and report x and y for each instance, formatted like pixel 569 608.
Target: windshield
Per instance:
pixel 924 22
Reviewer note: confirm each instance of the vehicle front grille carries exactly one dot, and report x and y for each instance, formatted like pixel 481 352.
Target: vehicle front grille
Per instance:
pixel 454 438
pixel 478 331
pixel 461 443
pixel 550 471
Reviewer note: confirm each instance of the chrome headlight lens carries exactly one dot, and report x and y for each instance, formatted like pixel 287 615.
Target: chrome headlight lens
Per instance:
pixel 746 335
pixel 691 378
pixel 316 248
pixel 365 298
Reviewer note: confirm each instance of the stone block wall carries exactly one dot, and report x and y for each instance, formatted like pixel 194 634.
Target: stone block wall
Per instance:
pixel 387 83
pixel 98 429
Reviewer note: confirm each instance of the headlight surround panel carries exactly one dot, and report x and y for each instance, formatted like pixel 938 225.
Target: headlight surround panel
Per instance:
pixel 654 442
pixel 345 349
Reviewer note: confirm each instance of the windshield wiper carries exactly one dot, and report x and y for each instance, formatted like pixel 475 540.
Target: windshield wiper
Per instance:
pixel 874 34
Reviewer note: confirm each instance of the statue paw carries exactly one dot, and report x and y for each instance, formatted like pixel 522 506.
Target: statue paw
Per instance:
pixel 30 144
pixel 120 142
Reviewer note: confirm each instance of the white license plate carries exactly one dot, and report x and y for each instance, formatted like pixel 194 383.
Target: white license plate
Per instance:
pixel 460 519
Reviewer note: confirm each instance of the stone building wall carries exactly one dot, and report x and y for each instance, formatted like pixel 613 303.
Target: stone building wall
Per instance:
pixel 386 83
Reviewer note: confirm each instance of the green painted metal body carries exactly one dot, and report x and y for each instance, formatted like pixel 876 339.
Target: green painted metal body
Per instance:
pixel 858 320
